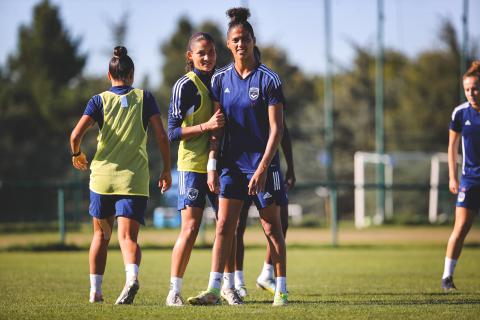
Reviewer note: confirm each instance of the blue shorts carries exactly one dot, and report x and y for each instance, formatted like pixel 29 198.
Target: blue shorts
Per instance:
pixel 103 206
pixel 468 196
pixel 193 190
pixel 234 185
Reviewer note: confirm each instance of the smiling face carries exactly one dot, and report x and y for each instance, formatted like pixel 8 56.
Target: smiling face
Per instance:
pixel 471 86
pixel 203 55
pixel 241 43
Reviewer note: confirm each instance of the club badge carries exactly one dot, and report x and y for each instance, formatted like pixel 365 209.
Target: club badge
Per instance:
pixel 192 194
pixel 461 196
pixel 253 93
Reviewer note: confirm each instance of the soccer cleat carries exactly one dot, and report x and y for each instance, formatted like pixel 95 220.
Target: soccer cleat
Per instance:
pixel 280 299
pixel 447 284
pixel 206 298
pixel 231 296
pixel 174 299
pixel 95 297
pixel 242 291
pixel 266 284
pixel 128 292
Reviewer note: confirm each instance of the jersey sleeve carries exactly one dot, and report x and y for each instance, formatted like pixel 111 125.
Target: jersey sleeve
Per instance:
pixel 150 105
pixel 216 87
pixel 179 104
pixel 94 109
pixel 274 91
pixel 456 121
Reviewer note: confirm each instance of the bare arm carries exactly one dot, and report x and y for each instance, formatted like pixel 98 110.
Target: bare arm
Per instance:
pixel 288 153
pixel 453 142
pixel 165 180
pixel 80 162
pixel 275 118
pixel 215 138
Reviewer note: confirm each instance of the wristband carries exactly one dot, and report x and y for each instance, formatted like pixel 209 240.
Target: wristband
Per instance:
pixel 76 154
pixel 212 164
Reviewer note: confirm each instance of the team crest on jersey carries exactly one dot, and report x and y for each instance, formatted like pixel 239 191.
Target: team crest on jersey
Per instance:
pixel 461 196
pixel 253 93
pixel 192 194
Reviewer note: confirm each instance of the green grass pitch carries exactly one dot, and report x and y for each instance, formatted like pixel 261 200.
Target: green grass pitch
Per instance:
pixel 394 282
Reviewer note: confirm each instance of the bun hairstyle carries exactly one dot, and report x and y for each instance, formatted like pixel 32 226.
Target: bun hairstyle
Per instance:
pixel 197 36
pixel 121 65
pixel 473 71
pixel 239 17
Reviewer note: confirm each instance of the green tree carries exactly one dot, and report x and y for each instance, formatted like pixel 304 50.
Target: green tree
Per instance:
pixel 35 120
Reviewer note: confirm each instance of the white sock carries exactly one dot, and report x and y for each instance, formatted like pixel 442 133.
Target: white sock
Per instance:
pixel 96 283
pixel 449 267
pixel 176 284
pixel 132 271
pixel 267 272
pixel 239 281
pixel 281 285
pixel 228 280
pixel 215 280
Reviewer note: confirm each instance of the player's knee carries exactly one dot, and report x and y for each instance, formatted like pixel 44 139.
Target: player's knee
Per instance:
pixel 190 231
pixel 224 228
pixel 105 229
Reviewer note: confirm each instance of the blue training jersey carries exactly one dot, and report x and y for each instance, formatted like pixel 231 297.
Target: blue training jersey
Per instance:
pixel 94 107
pixel 245 103
pixel 466 119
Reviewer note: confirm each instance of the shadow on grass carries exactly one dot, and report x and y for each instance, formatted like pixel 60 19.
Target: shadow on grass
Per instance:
pixel 430 298
pixel 379 294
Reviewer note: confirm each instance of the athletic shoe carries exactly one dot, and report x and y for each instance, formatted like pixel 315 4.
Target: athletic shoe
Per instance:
pixel 174 299
pixel 242 291
pixel 280 299
pixel 231 296
pixel 447 284
pixel 95 297
pixel 206 298
pixel 128 292
pixel 266 284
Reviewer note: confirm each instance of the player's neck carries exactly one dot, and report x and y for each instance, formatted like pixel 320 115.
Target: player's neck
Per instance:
pixel 245 67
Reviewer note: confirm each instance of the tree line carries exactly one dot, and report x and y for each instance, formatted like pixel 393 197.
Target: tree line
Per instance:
pixel 44 90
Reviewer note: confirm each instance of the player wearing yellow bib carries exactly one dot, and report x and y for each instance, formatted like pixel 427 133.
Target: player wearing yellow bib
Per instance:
pixel 119 179
pixel 190 119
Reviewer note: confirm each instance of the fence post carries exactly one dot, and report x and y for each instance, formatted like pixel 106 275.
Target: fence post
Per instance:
pixel 61 214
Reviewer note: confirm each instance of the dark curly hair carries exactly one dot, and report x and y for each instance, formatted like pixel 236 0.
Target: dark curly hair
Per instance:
pixel 239 17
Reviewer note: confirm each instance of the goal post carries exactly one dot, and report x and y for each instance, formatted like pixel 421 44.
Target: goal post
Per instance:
pixel 419 184
pixel 360 160
pixel 435 182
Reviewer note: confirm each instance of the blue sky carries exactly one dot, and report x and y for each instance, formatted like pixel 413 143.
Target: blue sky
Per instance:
pixel 296 26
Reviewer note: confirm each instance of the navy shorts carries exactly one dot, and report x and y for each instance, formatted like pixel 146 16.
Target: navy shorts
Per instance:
pixel 468 196
pixel 234 185
pixel 193 190
pixel 103 206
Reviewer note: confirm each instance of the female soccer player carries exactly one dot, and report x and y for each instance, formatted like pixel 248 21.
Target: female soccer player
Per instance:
pixel 250 95
pixel 465 123
pixel 266 279
pixel 190 121
pixel 119 179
